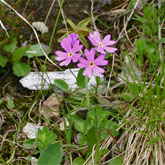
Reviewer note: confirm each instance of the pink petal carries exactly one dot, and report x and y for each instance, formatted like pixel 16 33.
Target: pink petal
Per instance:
pixel 77 47
pixel 88 72
pixel 66 44
pixel 96 36
pixel 100 60
pixel 94 43
pixel 97 70
pixel 60 58
pixel 65 62
pixel 100 50
pixel 76 57
pixel 110 50
pixel 106 39
pixel 90 54
pixel 83 62
pixel 60 53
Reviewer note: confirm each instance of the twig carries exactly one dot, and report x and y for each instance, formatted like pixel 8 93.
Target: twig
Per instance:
pixel 50 9
pixel 115 141
pixel 109 81
pixel 3 27
pixel 93 19
pixel 125 26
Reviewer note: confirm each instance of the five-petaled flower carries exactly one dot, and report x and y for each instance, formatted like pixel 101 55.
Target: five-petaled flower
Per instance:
pixel 102 45
pixel 71 45
pixel 91 64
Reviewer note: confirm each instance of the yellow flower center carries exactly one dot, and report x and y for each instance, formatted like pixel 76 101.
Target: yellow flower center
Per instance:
pixel 91 64
pixel 100 44
pixel 70 54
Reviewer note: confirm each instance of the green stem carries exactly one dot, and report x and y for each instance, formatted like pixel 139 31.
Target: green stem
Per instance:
pixel 88 105
pixel 97 139
pixel 87 92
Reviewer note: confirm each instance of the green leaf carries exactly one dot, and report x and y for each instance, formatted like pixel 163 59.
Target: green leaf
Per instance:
pixel 35 50
pixel 18 54
pixel 1 101
pixel 112 126
pixel 116 161
pixel 20 69
pixel 10 47
pixel 73 26
pixel 85 22
pixel 127 97
pixel 83 40
pixel 78 161
pixel 29 144
pixel 78 123
pixel 84 30
pixel 52 155
pixel 91 138
pixel 10 104
pixel 45 138
pixel 3 60
pixel 81 79
pixel 61 84
pixel 102 152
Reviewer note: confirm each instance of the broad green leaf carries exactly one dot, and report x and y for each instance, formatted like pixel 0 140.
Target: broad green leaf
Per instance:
pixel 84 30
pixel 116 161
pixel 81 79
pixel 61 84
pixel 127 97
pixel 3 60
pixel 45 138
pixel 91 138
pixel 1 101
pixel 29 144
pixel 83 40
pixel 112 126
pixel 102 152
pixel 35 50
pixel 78 161
pixel 10 104
pixel 18 54
pixel 10 47
pixel 52 155
pixel 20 69
pixel 78 123
pixel 85 22
pixel 73 26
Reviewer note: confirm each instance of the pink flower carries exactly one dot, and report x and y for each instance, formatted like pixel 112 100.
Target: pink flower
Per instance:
pixel 71 45
pixel 102 45
pixel 91 64
pixel 73 38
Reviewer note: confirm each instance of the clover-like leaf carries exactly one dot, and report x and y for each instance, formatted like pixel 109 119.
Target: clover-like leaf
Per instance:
pixel 20 69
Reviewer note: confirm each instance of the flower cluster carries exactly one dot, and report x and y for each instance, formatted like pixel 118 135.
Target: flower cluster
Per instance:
pixel 72 48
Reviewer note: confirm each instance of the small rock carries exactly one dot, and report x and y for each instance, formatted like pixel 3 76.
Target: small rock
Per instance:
pixel 130 71
pixel 34 80
pixel 31 130
pixel 62 128
pixel 34 161
pixel 50 108
pixel 40 26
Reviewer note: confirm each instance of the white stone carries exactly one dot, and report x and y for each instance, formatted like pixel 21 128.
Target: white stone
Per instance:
pixel 34 161
pixel 40 26
pixel 34 80
pixel 130 71
pixel 31 130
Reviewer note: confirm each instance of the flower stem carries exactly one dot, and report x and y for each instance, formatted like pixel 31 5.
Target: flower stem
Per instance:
pixel 97 134
pixel 87 92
